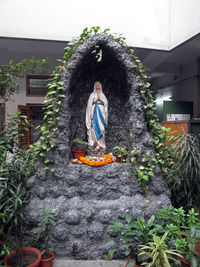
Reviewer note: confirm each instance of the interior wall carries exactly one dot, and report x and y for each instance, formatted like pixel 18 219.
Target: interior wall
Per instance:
pixel 20 97
pixel 184 88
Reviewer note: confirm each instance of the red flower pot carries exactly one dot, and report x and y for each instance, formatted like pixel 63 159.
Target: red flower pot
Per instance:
pixel 27 250
pixel 47 262
pixel 78 153
pixel 184 261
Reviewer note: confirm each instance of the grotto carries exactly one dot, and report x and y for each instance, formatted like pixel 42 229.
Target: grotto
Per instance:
pixel 83 198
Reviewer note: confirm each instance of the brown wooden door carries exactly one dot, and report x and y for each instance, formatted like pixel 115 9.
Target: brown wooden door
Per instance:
pixel 24 136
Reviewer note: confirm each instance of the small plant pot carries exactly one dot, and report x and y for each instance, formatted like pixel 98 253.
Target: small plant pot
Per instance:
pixel 120 159
pixel 28 251
pixel 47 262
pixel 184 261
pixel 78 153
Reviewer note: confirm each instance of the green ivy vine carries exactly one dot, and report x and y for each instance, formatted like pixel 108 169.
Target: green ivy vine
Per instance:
pixel 9 85
pixel 164 155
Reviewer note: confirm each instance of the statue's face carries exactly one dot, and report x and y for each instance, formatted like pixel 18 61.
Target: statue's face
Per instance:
pixel 98 88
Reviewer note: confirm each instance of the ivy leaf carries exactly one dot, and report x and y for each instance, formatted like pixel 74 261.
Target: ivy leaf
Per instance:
pixel 111 253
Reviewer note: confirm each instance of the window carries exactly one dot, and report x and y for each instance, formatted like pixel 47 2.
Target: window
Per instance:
pixel 36 85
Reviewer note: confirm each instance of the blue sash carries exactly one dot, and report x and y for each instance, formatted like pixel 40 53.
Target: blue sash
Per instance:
pixel 97 129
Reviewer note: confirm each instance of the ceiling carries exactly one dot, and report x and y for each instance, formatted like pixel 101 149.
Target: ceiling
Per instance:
pixel 157 61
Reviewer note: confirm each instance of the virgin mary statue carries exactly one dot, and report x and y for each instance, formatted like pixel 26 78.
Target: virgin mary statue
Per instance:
pixel 97 118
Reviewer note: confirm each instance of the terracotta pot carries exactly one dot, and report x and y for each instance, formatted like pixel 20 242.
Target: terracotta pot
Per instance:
pixel 47 262
pixel 78 153
pixel 184 261
pixel 28 249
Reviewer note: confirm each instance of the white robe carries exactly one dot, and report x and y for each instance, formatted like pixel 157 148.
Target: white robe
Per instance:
pixel 92 139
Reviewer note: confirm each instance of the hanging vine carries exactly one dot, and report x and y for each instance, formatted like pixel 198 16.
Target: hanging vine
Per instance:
pixel 55 95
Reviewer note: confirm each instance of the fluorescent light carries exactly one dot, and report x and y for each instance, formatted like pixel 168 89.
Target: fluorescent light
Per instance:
pixel 159 100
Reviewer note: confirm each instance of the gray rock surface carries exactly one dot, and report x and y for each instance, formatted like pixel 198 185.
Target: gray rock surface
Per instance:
pixel 85 198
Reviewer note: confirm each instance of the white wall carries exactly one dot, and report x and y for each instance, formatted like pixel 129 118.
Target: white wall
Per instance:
pixel 189 86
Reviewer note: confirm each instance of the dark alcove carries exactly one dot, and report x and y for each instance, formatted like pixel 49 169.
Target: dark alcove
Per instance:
pixel 112 75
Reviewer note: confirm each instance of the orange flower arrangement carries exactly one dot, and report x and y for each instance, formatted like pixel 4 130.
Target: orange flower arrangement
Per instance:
pixel 108 159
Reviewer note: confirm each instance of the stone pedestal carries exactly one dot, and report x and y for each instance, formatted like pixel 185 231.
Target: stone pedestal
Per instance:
pixel 85 198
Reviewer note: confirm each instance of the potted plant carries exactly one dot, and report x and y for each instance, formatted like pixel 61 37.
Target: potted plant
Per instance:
pixel 187 245
pixel 131 234
pixel 120 153
pixel 17 167
pixel 41 240
pixel 15 206
pixel 3 220
pixel 79 148
pixel 158 252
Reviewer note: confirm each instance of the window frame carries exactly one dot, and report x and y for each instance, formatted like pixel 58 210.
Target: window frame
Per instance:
pixel 28 77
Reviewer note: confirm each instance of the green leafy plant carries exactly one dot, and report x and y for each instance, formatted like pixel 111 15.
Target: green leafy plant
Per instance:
pixel 15 207
pixel 187 245
pixel 132 233
pixel 183 177
pixel 17 165
pixel 144 167
pixel 3 222
pixel 158 252
pixel 120 152
pixel 177 221
pixel 4 250
pixel 11 71
pixel 41 240
pixel 80 144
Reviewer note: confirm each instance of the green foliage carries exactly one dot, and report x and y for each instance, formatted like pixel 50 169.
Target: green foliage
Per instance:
pixel 3 220
pixel 121 152
pixel 158 252
pixel 187 245
pixel 80 144
pixel 79 141
pixel 4 250
pixel 16 166
pixel 177 219
pixel 132 232
pixel 143 167
pixel 9 136
pixel 41 240
pixel 184 176
pixel 11 71
pixel 182 228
